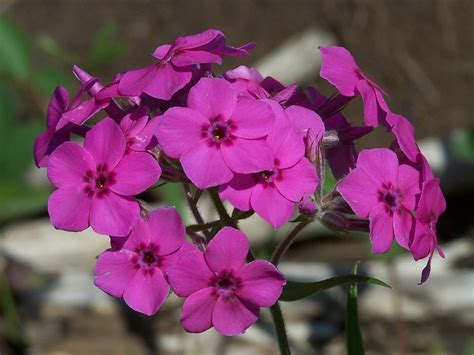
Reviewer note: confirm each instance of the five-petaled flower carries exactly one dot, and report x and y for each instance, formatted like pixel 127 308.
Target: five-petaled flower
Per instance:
pixel 221 290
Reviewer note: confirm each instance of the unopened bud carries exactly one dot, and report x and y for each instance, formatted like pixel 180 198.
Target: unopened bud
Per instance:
pixel 308 207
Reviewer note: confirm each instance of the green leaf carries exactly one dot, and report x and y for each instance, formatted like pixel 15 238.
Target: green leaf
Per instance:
pixel 46 80
pixel 294 291
pixel 15 51
pixel 354 341
pixel 105 48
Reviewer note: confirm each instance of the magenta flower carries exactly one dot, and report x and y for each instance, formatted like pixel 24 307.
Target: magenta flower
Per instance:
pixel 385 192
pixel 404 134
pixel 340 69
pixel 174 67
pixel 430 207
pixel 139 131
pixel 96 184
pixel 221 290
pixel 217 135
pixel 137 270
pixel 272 193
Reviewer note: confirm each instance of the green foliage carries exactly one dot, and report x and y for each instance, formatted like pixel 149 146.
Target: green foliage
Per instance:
pixel 294 291
pixel 105 48
pixel 15 51
pixel 354 341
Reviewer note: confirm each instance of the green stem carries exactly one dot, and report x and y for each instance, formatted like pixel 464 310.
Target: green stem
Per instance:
pixel 194 209
pixel 287 241
pixel 280 329
pixel 228 221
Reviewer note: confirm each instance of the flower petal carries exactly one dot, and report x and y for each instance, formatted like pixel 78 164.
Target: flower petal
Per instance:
pixel 57 106
pixel 381 229
pixel 146 291
pixel 69 208
pixel 339 68
pixel 68 165
pixel 252 118
pixel 112 214
pixel 238 191
pixel 227 250
pixel 298 181
pixel 380 164
pixel 106 143
pixel 257 153
pixel 409 184
pixel 196 315
pixel 180 130
pixel 369 98
pixel 262 283
pixel 405 135
pixel 286 144
pixel 205 166
pixel 135 173
pixel 114 270
pixel 213 98
pixel 233 316
pixel 403 227
pixel 190 273
pixel 167 229
pixel 191 57
pixel 270 204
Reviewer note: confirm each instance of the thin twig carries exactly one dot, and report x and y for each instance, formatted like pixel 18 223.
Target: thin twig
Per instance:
pixel 194 209
pixel 287 241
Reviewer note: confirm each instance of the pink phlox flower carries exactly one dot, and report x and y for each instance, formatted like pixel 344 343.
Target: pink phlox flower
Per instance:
pixel 430 207
pixel 385 192
pixel 404 134
pixel 217 135
pixel 136 271
pixel 175 63
pixel 139 130
pixel 221 290
pixel 59 125
pixel 340 69
pixel 96 183
pixel 272 193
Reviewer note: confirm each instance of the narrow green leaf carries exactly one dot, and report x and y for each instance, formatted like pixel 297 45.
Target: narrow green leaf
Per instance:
pixel 294 291
pixel 354 341
pixel 15 50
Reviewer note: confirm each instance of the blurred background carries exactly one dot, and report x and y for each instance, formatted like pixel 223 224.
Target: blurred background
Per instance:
pixel 421 52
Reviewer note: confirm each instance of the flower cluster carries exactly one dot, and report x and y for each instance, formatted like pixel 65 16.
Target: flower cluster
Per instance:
pixel 257 143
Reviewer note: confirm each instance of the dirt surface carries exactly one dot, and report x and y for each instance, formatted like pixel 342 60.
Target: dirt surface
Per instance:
pixel 421 52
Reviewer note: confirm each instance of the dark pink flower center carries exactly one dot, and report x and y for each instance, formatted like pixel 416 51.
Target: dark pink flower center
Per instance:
pixel 391 197
pixel 148 257
pixel 218 131
pixel 97 182
pixel 225 283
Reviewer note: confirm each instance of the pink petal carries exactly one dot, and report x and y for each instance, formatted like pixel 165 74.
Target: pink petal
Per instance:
pixel 170 260
pixel 69 208
pixel 213 98
pixel 161 51
pixel 57 106
pixel 257 153
pixel 138 237
pixel 112 214
pixel 80 114
pixel 432 202
pixel 167 229
pixel 196 315
pixel 233 316
pixel 381 229
pixel 135 173
pixel 359 191
pixel 113 271
pixel 106 143
pixel 190 273
pixel 198 40
pixel 205 166
pixel 269 204
pixel 286 144
pixel 305 120
pixel 339 68
pixel 227 250
pixel 146 138
pixel 370 103
pixel 422 244
pixel 380 164
pixel 132 123
pixel 262 283
pixel 146 291
pixel 405 134
pixel 238 191
pixel 179 130
pixel 403 227
pixel 195 57
pixel 298 181
pixel 409 184
pixel 68 164
pixel 252 118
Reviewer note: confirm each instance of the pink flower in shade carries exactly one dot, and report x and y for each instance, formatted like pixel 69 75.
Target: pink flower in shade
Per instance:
pixel 272 193
pixel 340 69
pixel 385 192
pixel 96 184
pixel 217 135
pixel 62 117
pixel 175 63
pixel 221 290
pixel 430 207
pixel 137 270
